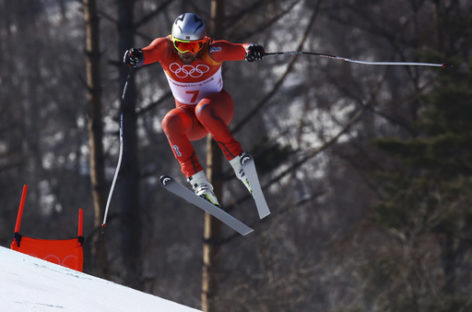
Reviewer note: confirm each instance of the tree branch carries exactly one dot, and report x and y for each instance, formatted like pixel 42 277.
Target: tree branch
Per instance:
pixel 113 20
pixel 258 28
pixel 152 14
pixel 154 104
pixel 274 90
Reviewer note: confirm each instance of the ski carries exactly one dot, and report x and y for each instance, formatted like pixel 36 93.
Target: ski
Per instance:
pixel 249 167
pixel 181 191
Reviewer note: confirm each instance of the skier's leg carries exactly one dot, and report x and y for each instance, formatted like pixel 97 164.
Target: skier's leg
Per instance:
pixel 237 165
pixel 180 125
pixel 215 112
pixel 176 124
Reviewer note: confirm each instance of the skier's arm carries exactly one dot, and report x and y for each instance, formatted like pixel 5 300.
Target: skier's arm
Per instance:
pixel 223 50
pixel 154 52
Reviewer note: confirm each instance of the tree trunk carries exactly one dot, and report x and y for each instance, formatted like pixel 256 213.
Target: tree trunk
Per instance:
pixel 212 227
pixel 129 174
pixel 95 130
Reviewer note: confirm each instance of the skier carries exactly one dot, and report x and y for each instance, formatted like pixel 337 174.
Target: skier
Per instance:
pixel 192 65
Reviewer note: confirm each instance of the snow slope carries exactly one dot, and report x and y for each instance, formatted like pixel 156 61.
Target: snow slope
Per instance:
pixel 32 284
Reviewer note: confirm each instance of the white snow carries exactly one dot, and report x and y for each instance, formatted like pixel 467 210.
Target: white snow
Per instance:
pixel 31 284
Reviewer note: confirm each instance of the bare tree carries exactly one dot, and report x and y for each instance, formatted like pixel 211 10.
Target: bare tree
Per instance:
pixel 129 176
pixel 212 227
pixel 95 130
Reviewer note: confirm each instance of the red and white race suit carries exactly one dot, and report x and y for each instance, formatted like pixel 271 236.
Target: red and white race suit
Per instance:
pixel 202 105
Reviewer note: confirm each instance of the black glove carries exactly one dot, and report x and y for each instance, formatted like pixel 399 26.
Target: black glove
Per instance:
pixel 133 57
pixel 254 52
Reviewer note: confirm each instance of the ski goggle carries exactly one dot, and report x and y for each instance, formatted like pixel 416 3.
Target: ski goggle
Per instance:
pixel 186 46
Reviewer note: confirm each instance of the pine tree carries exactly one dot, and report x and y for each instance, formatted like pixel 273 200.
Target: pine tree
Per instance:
pixel 426 193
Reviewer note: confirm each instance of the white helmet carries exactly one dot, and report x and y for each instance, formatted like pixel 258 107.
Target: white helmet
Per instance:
pixel 188 26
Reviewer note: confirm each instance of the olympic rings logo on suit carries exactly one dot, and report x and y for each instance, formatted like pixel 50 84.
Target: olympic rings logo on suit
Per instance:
pixel 188 70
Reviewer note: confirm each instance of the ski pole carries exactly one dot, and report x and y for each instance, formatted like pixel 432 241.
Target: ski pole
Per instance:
pixel 345 59
pixel 125 88
pixel 120 156
pixel 115 176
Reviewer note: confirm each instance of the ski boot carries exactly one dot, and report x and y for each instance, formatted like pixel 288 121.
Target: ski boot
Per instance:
pixel 203 188
pixel 237 163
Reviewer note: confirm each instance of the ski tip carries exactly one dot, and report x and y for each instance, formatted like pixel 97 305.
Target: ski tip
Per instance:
pixel 249 231
pixel 165 179
pixel 264 215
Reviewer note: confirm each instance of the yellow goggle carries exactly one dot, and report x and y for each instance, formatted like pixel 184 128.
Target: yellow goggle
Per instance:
pixel 188 46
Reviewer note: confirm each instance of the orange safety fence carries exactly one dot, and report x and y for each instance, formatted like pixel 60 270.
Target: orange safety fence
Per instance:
pixel 65 252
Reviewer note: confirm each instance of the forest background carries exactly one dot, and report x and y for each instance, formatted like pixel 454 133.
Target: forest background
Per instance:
pixel 367 169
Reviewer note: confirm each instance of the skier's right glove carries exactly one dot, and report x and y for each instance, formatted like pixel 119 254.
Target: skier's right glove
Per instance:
pixel 133 57
pixel 254 52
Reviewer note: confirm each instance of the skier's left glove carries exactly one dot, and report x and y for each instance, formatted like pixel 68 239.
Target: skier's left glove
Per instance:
pixel 254 52
pixel 133 57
